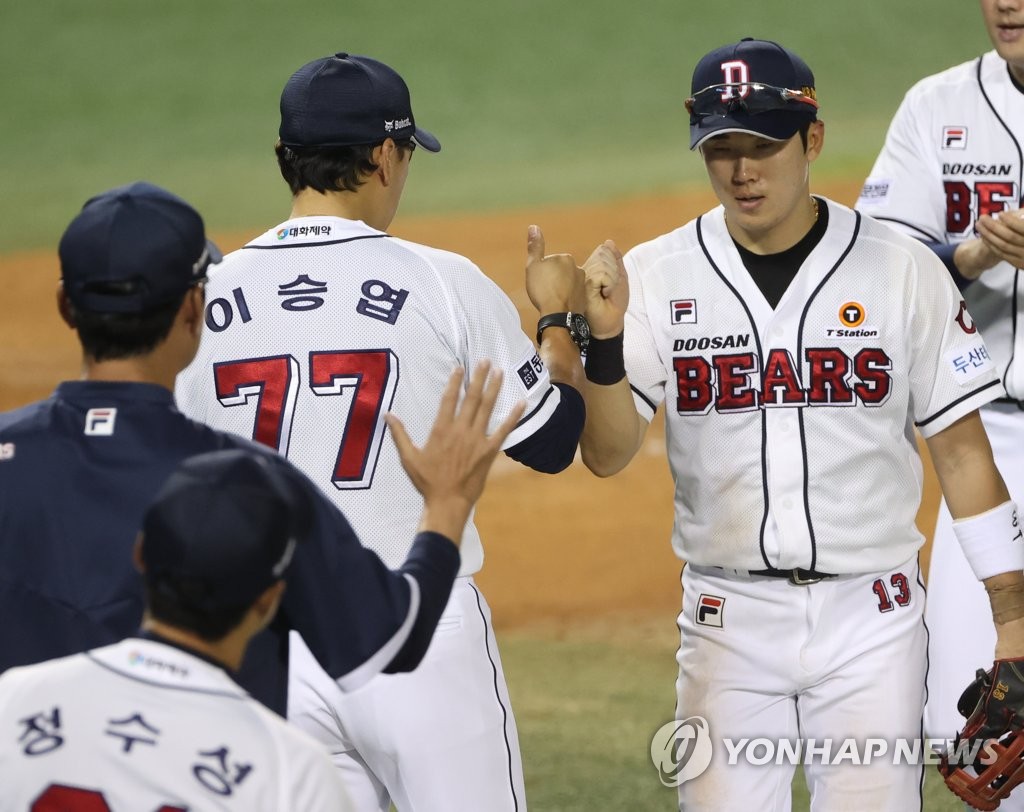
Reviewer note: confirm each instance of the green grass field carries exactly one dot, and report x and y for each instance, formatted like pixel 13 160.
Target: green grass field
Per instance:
pixel 535 101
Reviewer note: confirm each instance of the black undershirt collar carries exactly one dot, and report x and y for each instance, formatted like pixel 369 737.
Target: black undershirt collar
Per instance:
pixel 774 272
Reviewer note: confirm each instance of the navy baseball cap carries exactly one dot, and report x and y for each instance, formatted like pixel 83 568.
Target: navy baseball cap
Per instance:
pixel 133 248
pixel 751 86
pixel 344 101
pixel 225 524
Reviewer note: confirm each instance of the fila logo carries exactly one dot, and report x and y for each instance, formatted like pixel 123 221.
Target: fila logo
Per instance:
pixel 100 422
pixel 735 72
pixel 954 137
pixel 684 311
pixel 709 610
pixel 851 314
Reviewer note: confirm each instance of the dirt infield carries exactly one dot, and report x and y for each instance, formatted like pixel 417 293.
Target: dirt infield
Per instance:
pixel 559 549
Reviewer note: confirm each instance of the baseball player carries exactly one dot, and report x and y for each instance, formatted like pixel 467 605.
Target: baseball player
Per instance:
pixel 155 721
pixel 950 174
pixel 78 469
pixel 313 331
pixel 796 345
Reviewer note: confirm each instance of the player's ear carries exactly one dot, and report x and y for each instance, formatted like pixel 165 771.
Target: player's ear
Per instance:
pixel 192 310
pixel 64 306
pixel 815 140
pixel 387 157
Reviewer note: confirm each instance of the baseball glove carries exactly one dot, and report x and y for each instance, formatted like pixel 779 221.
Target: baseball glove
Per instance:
pixel 992 742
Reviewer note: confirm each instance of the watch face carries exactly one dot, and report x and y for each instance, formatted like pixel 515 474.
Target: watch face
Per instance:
pixel 580 327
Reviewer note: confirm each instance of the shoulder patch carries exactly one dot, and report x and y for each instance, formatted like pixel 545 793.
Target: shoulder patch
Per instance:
pixel 874 192
pixel 967 363
pixel 530 370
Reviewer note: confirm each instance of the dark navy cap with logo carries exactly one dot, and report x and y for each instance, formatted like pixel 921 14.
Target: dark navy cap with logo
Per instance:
pixel 751 86
pixel 344 101
pixel 222 529
pixel 132 249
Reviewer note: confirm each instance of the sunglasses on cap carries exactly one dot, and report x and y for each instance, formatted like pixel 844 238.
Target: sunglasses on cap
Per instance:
pixel 751 97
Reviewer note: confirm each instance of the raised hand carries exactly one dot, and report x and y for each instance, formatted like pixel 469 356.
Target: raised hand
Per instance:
pixel 1003 235
pixel 607 291
pixel 553 282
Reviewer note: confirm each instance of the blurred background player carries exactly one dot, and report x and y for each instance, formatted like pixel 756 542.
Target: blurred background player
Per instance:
pixel 793 377
pixel 313 331
pixel 155 721
pixel 82 466
pixel 950 174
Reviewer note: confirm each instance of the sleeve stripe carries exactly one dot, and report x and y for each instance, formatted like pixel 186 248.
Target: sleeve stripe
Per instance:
pixel 956 402
pixel 540 415
pixel 644 398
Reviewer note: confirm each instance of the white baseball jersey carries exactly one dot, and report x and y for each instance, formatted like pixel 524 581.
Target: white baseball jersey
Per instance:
pixel 320 326
pixel 144 726
pixel 953 153
pixel 790 431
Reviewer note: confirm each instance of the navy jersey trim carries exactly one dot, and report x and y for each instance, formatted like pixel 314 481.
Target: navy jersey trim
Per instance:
pixel 760 361
pixel 1020 182
pixel 921 234
pixel 313 244
pixel 644 398
pixel 162 685
pixel 946 408
pixel 497 694
pixel 526 418
pixel 800 355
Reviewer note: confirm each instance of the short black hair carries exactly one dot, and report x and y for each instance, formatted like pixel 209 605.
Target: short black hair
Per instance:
pixel 177 602
pixel 112 336
pixel 329 169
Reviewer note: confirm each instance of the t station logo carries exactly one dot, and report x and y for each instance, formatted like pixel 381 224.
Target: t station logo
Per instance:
pixel 851 320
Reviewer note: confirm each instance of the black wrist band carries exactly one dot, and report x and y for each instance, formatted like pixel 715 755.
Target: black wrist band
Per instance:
pixel 605 364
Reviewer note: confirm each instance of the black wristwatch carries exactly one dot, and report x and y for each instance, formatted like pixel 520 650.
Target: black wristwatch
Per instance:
pixel 575 323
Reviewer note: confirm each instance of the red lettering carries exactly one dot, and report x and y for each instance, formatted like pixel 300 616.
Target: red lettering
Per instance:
pixel 872 367
pixel 781 386
pixel 829 376
pixel 958 206
pixel 993 196
pixel 735 394
pixel 693 385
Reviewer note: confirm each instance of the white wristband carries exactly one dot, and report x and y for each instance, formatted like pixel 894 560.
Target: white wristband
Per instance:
pixel 992 541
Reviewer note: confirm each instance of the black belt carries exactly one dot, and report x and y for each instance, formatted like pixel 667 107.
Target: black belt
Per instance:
pixel 1011 401
pixel 800 577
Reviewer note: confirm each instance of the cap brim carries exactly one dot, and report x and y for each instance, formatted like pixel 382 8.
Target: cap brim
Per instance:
pixel 426 140
pixel 776 125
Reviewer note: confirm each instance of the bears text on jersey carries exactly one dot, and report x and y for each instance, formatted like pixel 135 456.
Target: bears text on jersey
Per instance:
pixel 737 382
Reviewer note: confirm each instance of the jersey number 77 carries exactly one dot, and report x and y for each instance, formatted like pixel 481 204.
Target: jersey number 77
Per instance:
pixel 368 377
